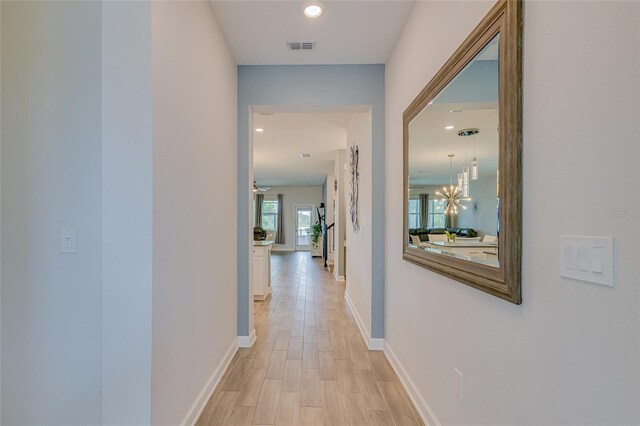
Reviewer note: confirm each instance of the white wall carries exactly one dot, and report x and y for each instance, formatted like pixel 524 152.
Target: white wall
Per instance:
pixel 194 206
pixel 127 240
pixel 293 195
pixel 359 253
pixel 483 218
pixel 569 353
pixel 340 218
pixel 51 178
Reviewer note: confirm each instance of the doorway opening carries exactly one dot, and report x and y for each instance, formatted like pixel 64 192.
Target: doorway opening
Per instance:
pixel 299 195
pixel 303 227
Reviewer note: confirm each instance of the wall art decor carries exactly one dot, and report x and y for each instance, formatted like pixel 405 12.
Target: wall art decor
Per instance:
pixel 353 186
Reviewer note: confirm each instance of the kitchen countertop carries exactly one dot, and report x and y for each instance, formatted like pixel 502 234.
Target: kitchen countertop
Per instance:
pixel 262 243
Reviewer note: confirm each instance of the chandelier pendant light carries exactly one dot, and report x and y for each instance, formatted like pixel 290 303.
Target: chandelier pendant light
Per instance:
pixel 474 169
pixel 451 195
pixel 471 132
pixel 474 162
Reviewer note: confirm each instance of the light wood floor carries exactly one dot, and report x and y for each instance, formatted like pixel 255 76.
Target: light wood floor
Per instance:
pixel 309 364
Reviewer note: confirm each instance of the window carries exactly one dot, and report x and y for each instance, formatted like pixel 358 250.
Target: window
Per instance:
pixel 414 213
pixel 269 214
pixel 436 217
pixel 436 214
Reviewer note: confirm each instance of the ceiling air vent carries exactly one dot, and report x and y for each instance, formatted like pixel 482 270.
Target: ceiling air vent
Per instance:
pixel 301 45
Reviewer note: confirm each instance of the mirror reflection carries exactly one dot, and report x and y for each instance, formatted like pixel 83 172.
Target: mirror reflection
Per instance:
pixel 453 165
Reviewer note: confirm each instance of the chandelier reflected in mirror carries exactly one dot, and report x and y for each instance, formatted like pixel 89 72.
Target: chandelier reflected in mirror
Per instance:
pixel 452 195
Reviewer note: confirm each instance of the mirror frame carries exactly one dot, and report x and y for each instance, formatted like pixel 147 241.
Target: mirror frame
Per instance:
pixel 506 18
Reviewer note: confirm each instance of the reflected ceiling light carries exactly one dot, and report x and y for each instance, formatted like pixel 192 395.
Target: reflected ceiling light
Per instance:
pixel 449 127
pixel 259 130
pixel 313 8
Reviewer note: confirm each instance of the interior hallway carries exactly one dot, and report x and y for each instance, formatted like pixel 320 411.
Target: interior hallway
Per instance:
pixel 309 364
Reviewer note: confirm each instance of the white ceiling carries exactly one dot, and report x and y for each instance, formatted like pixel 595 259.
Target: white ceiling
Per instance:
pixel 348 32
pixel 276 152
pixel 430 142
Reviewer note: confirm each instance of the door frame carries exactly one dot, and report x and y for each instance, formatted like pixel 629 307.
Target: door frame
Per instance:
pixel 295 224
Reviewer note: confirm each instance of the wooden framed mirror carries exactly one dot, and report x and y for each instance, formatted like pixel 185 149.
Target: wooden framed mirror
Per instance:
pixel 462 161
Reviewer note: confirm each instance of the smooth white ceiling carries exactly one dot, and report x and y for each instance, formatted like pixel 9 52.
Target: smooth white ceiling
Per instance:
pixel 430 142
pixel 276 151
pixel 348 32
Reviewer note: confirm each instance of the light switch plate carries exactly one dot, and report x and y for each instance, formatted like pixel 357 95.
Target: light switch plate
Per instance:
pixel 587 259
pixel 68 240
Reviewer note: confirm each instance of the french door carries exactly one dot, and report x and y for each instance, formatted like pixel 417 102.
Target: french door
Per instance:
pixel 303 227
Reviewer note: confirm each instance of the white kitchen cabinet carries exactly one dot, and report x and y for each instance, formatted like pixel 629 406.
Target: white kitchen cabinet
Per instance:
pixel 261 269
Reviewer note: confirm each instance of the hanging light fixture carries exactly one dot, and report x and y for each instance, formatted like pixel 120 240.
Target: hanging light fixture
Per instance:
pixel 460 180
pixel 474 168
pixel 465 182
pixel 451 195
pixel 474 162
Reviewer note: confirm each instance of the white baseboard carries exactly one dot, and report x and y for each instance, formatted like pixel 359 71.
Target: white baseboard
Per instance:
pixel 376 344
pixel 427 414
pixel 372 344
pixel 205 394
pixel 247 341
pixel 338 277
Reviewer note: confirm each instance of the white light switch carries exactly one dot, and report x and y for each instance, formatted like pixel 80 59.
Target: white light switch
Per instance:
pixel 68 240
pixel 596 259
pixel 583 258
pixel 587 259
pixel 569 256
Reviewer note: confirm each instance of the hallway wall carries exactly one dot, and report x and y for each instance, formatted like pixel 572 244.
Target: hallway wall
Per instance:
pixel 51 178
pixel 334 86
pixel 340 214
pixel 127 180
pixel 569 354
pixel 194 207
pixel 359 243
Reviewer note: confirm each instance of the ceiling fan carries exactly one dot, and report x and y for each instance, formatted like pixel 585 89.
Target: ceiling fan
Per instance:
pixel 256 189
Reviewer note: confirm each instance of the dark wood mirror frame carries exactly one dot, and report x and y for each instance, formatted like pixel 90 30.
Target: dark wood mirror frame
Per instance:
pixel 504 282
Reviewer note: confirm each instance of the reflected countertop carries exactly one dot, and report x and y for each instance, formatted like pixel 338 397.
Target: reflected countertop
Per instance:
pixel 462 244
pixel 262 243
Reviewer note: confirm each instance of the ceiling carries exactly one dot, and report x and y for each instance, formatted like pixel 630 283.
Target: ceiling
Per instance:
pixel 431 143
pixel 469 100
pixel 348 32
pixel 276 150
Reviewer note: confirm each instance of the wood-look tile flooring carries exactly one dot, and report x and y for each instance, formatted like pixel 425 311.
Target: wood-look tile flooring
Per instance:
pixel 309 365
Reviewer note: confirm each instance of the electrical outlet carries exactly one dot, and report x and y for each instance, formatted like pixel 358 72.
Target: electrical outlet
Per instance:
pixel 458 383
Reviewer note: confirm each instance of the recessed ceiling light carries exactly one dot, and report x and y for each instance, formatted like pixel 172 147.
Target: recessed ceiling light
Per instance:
pixel 259 130
pixel 305 155
pixel 449 127
pixel 313 8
